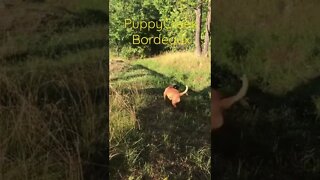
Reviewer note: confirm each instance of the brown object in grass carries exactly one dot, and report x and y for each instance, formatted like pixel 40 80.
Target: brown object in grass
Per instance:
pixel 219 104
pixel 173 95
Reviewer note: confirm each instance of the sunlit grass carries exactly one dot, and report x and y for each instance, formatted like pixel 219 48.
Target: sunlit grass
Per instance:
pixel 143 129
pixel 184 67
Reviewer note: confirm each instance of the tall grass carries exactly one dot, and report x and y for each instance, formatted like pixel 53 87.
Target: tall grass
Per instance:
pixel 183 67
pixel 53 117
pixel 51 120
pixel 275 42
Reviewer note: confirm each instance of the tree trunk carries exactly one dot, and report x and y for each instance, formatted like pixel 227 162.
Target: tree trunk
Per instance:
pixel 208 31
pixel 198 28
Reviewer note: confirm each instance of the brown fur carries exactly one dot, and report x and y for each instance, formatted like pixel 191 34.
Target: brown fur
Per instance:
pixel 219 104
pixel 173 95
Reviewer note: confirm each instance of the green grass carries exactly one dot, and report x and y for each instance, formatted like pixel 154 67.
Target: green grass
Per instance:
pixel 265 43
pixel 148 138
pixel 53 90
pixel 182 67
pixel 276 43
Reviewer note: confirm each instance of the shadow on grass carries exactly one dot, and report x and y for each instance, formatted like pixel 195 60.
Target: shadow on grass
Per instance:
pixel 55 52
pixel 170 136
pixel 63 107
pixel 60 20
pixel 164 81
pixel 64 19
pixel 274 138
pixel 84 18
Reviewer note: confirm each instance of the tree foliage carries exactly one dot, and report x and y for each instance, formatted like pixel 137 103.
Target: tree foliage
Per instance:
pixel 177 16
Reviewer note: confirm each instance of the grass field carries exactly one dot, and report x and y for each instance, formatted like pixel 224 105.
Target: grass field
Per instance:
pixel 148 138
pixel 53 81
pixel 53 91
pixel 276 43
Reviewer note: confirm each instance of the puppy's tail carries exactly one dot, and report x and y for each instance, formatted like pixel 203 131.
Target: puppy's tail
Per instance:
pixel 228 102
pixel 184 92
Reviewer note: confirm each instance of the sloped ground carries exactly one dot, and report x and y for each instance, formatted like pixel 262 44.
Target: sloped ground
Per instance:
pixel 156 140
pixel 53 119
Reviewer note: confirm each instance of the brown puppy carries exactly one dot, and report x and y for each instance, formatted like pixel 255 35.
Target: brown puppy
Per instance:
pixel 219 104
pixel 173 95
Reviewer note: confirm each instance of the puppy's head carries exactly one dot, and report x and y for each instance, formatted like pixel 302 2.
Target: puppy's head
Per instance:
pixel 175 86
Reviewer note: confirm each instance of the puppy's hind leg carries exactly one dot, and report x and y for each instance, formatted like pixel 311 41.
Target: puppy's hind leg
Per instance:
pixel 174 102
pixel 174 105
pixel 165 94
